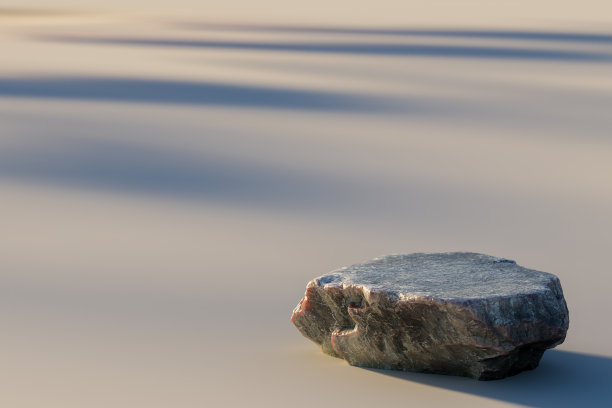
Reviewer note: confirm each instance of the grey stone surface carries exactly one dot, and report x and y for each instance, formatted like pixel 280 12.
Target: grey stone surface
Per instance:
pixel 450 313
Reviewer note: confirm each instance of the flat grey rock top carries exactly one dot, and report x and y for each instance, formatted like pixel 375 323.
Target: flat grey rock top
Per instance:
pixel 453 276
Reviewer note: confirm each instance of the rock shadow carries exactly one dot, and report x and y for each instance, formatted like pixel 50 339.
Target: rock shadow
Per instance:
pixel 563 379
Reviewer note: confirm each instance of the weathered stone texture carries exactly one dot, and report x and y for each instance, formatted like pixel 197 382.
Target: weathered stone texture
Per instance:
pixel 451 313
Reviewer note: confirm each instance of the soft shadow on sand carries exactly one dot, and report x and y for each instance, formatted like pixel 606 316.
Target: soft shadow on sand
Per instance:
pixel 372 49
pixel 563 379
pixel 445 33
pixel 91 163
pixel 160 91
pixel 138 168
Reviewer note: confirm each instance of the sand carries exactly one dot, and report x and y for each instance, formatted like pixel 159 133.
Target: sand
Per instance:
pixel 171 177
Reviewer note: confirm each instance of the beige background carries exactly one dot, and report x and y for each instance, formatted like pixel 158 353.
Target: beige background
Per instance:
pixel 171 176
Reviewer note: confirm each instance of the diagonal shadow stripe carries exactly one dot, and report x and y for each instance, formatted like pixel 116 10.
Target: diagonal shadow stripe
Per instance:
pixel 134 167
pixel 130 167
pixel 375 49
pixel 188 93
pixel 557 36
pixel 124 166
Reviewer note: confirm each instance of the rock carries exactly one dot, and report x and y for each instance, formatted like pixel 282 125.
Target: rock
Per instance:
pixel 455 313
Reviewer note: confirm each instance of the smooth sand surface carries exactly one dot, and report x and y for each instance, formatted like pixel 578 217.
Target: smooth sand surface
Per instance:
pixel 172 176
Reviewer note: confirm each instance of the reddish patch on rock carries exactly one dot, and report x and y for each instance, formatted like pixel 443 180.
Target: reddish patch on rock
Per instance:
pixel 303 307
